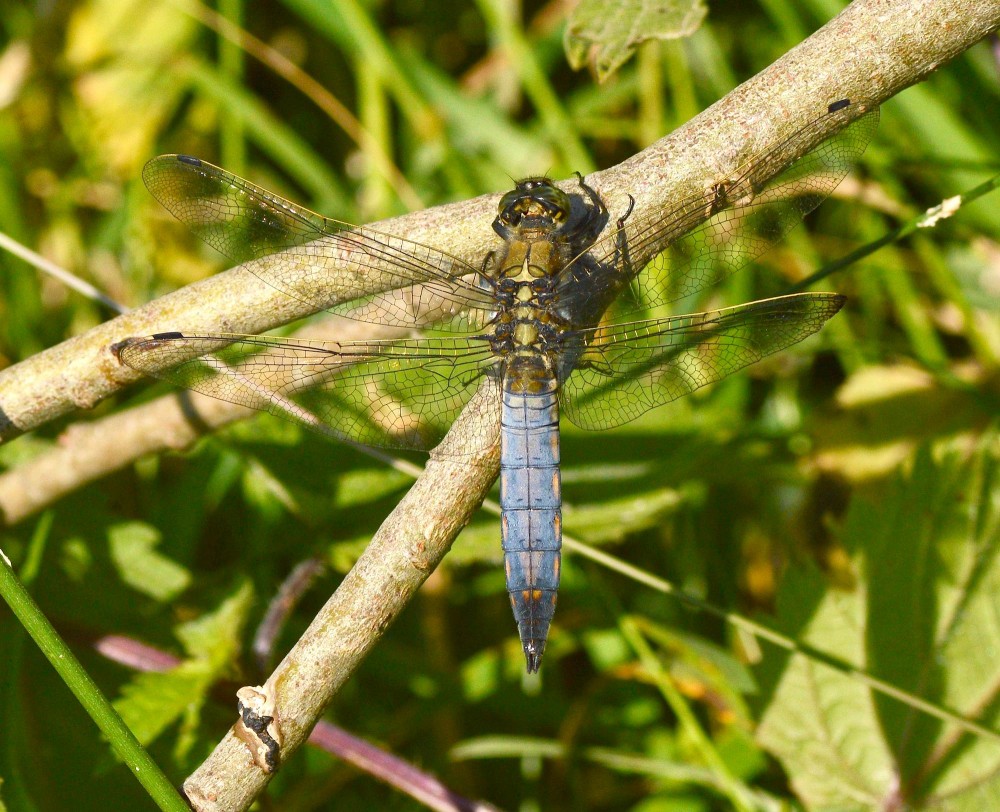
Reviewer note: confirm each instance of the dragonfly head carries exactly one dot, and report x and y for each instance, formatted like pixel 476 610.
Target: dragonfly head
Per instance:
pixel 535 203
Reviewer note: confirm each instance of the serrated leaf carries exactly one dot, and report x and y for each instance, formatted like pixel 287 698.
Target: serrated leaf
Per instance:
pixel 215 636
pixel 151 702
pixel 132 547
pixel 924 618
pixel 605 35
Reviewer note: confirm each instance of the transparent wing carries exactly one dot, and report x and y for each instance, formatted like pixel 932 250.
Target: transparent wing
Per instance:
pixel 667 256
pixel 624 370
pixel 393 394
pixel 326 263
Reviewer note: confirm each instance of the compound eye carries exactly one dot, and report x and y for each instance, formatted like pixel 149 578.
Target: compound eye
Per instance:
pixel 556 201
pixel 506 201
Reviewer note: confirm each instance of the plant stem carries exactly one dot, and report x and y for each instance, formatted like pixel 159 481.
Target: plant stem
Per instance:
pixel 123 742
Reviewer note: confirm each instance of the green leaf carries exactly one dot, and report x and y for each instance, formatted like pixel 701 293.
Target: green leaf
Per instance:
pixel 606 34
pixel 132 549
pixel 478 542
pixel 614 519
pixel 104 44
pixel 216 636
pixel 151 702
pixel 481 675
pixel 265 492
pixel 671 802
pixel 606 648
pixel 923 617
pixel 368 485
pixel 698 662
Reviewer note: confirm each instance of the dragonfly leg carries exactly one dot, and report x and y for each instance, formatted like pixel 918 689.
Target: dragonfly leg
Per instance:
pixel 597 213
pixel 489 265
pixel 620 222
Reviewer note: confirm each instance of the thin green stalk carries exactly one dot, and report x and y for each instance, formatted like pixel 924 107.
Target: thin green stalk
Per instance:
pixel 46 266
pixel 349 24
pixel 231 129
pixel 913 317
pixel 649 93
pixel 122 741
pixel 557 123
pixel 271 134
pixel 739 622
pixel 927 219
pixel 484 747
pixel 728 784
pixel 15 786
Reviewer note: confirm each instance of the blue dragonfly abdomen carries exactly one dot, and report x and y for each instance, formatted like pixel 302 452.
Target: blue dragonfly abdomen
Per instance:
pixel 530 498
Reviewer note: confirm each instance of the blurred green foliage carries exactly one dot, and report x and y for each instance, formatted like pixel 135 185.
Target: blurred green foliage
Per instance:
pixel 850 485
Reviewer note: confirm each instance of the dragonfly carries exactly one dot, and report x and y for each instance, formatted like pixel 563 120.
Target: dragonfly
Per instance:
pixel 545 327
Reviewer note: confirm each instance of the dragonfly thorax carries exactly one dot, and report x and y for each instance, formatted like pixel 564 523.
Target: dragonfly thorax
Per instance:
pixel 534 219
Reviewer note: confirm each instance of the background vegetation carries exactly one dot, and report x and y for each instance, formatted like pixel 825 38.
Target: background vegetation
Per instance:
pixel 844 493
